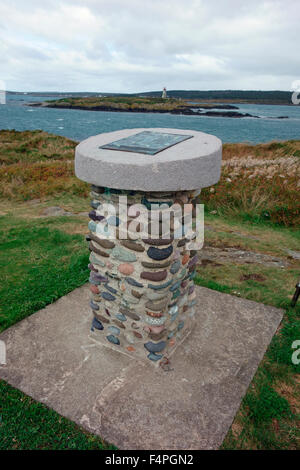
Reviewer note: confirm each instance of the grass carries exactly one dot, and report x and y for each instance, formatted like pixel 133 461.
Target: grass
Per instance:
pixel 52 262
pixel 34 146
pixel 259 183
pixel 120 103
pixel 43 258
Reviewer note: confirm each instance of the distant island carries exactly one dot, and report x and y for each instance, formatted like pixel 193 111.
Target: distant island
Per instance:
pixel 147 104
pixel 143 105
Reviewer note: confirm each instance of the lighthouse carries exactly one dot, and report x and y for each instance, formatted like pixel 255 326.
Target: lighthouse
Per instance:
pixel 164 93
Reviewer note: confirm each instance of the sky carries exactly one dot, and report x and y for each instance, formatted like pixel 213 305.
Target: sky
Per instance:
pixel 144 45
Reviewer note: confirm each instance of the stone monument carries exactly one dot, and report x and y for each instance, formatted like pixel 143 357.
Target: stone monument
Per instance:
pixel 143 257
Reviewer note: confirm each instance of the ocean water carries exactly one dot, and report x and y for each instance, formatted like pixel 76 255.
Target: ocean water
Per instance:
pixel 78 124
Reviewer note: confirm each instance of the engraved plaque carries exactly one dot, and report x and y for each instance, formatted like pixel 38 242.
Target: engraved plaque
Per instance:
pixel 148 142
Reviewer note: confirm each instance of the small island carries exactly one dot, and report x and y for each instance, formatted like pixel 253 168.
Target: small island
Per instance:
pixel 145 105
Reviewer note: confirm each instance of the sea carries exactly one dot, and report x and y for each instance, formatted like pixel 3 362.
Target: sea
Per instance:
pixel 80 124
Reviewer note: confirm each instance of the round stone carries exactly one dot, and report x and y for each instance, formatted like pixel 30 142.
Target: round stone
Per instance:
pixel 173 310
pixel 96 260
pixel 137 334
pixel 112 339
pixel 95 204
pixel 119 324
pixel 93 305
pixel 108 296
pixel 175 267
pixel 94 289
pixel 160 286
pixel 158 241
pixel 136 294
pixel 101 318
pixel 156 306
pixel 159 253
pixel 98 278
pixel 92 268
pixel 147 264
pixel 130 314
pixel 154 357
pixel 93 215
pixel 193 261
pixel 133 282
pixel 155 347
pixel 155 321
pixel 98 251
pixel 110 289
pixel 126 268
pixel 154 276
pixel 185 258
pixel 175 286
pixel 97 324
pixel 123 255
pixel 120 317
pixel 114 330
pixel 108 244
pixel 133 246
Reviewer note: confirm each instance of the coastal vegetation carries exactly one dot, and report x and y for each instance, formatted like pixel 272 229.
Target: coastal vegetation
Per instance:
pixel 251 250
pixel 134 104
pixel 138 104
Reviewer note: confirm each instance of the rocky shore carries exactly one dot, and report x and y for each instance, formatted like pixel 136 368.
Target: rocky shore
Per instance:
pixel 184 110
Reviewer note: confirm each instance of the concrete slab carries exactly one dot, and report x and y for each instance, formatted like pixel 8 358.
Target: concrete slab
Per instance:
pixel 52 358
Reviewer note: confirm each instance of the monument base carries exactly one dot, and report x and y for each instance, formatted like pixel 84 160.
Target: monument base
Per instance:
pixel 187 404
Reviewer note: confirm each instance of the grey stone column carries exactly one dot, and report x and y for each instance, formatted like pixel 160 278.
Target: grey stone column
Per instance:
pixel 142 291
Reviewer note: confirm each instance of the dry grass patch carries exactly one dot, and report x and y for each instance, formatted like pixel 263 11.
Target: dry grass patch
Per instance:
pixel 291 392
pixel 258 182
pixel 33 146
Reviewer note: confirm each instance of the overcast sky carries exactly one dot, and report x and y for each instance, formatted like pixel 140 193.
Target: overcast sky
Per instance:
pixel 143 45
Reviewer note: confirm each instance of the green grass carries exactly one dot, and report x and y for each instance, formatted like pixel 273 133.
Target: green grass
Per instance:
pixel 51 262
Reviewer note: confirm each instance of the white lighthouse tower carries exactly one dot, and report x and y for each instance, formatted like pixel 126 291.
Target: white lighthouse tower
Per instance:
pixel 164 93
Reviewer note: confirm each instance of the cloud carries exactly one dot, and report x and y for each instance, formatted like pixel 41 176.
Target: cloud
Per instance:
pixel 131 46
